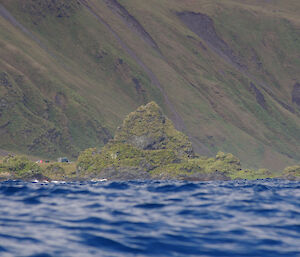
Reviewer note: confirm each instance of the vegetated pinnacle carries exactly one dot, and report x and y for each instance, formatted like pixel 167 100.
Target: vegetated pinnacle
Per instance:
pixel 148 128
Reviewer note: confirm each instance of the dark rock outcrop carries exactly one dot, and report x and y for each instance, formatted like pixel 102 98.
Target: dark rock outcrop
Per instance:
pixel 131 22
pixel 296 94
pixel 124 174
pixel 217 175
pixel 203 26
pixel 259 96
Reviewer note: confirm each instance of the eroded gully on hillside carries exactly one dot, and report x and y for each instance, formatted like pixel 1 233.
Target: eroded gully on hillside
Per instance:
pixel 204 28
pixel 178 121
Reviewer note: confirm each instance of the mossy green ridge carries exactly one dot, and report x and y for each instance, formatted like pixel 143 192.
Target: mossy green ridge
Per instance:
pixel 19 167
pixel 67 79
pixel 148 129
pixel 292 173
pixel 148 145
pixel 161 164
pixel 22 168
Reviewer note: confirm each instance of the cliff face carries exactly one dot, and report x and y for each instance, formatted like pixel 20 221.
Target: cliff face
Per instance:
pixel 225 72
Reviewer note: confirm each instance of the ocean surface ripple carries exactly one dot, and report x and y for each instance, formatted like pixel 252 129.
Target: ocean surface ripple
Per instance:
pixel 150 218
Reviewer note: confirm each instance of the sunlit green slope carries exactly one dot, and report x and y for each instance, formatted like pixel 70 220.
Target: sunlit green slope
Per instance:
pixel 226 73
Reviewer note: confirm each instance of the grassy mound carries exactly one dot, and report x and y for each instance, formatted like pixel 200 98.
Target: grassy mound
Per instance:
pixel 292 172
pixel 19 167
pixel 148 142
pixel 148 129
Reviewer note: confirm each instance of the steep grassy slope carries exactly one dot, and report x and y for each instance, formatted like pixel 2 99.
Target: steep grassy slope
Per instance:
pixel 54 96
pixel 225 72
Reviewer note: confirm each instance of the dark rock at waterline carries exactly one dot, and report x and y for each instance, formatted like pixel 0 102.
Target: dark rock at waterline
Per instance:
pixel 135 173
pixel 31 176
pixel 207 176
pixel 197 176
pixel 124 174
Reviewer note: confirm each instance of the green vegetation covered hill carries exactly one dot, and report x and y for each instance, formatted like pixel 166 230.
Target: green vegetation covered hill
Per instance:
pixel 225 72
pixel 146 146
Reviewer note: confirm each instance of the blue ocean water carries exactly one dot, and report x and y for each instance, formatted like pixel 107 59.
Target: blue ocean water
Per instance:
pixel 151 218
